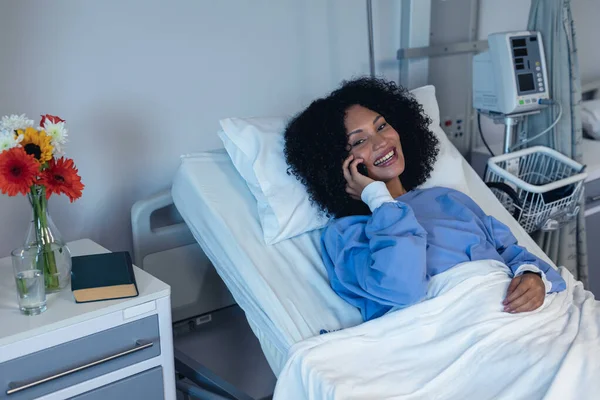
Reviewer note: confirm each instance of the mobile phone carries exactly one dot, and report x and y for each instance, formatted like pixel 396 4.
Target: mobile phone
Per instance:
pixel 362 168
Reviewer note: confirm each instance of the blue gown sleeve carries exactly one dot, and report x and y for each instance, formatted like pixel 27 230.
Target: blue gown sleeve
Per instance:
pixel 516 257
pixel 377 262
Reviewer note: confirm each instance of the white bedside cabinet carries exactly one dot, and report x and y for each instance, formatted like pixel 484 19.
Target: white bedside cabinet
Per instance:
pixel 115 349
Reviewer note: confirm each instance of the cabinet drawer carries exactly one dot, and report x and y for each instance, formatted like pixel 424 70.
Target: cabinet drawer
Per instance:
pixel 147 385
pixel 79 360
pixel 592 193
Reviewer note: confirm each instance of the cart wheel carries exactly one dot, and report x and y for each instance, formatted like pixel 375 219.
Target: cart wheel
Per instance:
pixel 507 196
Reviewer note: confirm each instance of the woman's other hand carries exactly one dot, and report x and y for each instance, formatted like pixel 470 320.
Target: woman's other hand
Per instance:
pixel 526 292
pixel 355 181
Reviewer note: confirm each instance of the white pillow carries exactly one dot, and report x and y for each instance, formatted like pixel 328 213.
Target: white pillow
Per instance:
pixel 590 118
pixel 448 168
pixel 255 146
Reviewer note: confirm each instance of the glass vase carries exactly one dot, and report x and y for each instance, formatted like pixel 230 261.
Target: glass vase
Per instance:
pixel 53 255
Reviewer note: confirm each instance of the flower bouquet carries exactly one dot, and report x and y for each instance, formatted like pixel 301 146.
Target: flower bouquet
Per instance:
pixel 32 164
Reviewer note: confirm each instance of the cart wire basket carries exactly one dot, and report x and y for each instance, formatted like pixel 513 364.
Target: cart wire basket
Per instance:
pixel 538 185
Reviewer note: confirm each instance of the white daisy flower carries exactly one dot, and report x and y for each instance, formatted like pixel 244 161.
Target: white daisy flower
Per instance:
pixel 8 140
pixel 13 122
pixel 58 133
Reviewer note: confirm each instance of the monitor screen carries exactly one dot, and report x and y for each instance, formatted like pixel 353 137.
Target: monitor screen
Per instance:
pixel 526 82
pixel 519 43
pixel 520 52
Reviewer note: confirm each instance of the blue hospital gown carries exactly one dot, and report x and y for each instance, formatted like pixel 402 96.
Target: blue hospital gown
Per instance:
pixel 385 260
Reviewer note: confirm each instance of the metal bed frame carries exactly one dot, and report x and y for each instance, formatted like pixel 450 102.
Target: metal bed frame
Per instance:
pixel 205 384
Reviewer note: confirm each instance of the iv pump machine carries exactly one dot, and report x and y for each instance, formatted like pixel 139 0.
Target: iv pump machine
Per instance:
pixel 510 77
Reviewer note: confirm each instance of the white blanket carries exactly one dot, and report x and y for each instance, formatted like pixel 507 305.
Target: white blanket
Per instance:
pixel 457 344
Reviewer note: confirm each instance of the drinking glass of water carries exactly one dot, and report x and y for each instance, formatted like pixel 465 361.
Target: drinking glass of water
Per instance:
pixel 30 281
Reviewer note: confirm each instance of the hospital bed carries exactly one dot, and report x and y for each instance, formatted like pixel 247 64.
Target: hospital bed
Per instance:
pixel 283 288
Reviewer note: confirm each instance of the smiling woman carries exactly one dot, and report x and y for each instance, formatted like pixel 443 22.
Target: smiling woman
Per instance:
pixel 376 145
pixel 390 237
pixel 373 120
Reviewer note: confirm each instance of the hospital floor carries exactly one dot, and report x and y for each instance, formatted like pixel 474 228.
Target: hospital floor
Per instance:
pixel 227 346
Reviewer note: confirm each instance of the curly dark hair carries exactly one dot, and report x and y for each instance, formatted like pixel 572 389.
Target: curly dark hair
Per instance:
pixel 319 167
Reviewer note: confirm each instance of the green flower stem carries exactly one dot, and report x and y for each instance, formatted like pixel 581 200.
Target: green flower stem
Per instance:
pixel 22 287
pixel 40 207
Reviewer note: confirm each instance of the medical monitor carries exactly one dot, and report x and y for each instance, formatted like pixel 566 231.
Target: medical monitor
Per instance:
pixel 510 77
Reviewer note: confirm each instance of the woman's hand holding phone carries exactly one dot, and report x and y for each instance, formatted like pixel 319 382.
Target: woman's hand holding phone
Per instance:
pixel 355 181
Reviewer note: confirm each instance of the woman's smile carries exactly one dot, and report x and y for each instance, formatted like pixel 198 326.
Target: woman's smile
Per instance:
pixel 389 157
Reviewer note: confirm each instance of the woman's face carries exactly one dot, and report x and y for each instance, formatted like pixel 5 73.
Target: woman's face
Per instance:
pixel 371 138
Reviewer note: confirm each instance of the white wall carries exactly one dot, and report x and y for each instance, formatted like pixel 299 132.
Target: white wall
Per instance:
pixel 499 16
pixel 141 82
pixel 587 29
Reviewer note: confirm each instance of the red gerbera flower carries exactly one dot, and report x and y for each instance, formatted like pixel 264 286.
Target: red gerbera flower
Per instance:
pixel 61 177
pixel 52 118
pixel 18 171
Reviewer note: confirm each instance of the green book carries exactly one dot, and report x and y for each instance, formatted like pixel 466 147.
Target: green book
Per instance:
pixel 104 276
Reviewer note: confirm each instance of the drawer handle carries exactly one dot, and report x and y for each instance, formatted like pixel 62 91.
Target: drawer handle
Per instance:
pixel 139 345
pixel 595 198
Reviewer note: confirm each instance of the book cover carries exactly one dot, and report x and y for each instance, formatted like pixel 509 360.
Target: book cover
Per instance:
pixel 106 276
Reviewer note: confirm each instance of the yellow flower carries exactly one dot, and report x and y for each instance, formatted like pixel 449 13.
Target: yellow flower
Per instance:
pixel 36 143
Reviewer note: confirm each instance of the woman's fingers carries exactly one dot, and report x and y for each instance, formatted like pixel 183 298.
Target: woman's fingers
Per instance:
pixel 516 292
pixel 347 161
pixel 345 168
pixel 511 288
pixel 354 168
pixel 525 293
pixel 531 305
pixel 356 175
pixel 354 165
pixel 356 182
pixel 522 300
pixel 350 169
